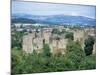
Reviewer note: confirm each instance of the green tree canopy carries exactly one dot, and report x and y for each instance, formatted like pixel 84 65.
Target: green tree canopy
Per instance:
pixel 16 39
pixel 89 42
pixel 46 50
pixel 69 35
pixel 75 53
pixel 55 31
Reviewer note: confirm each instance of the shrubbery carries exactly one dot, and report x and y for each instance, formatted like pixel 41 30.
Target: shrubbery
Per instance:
pixel 69 35
pixel 16 39
pixel 73 59
pixel 89 62
pixel 75 53
pixel 89 42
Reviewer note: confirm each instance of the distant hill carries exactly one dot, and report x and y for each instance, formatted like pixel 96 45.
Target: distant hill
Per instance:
pixel 56 19
pixel 22 20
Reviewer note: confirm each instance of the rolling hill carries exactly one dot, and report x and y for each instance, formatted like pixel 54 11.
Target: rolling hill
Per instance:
pixel 55 19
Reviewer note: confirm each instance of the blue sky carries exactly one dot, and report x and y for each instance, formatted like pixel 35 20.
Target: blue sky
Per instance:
pixel 34 8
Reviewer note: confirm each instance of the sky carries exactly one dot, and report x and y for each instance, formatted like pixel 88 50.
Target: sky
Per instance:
pixel 35 8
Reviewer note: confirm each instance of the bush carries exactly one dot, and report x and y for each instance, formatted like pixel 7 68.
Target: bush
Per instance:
pixel 16 39
pixel 16 59
pixel 69 35
pixel 89 42
pixel 89 62
pixel 46 50
pixel 74 59
pixel 75 53
pixel 55 31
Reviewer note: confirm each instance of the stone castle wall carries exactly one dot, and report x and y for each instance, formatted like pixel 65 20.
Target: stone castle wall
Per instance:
pixel 32 42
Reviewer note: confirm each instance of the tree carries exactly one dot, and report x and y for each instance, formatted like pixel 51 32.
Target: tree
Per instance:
pixel 46 50
pixel 43 41
pixel 89 42
pixel 16 59
pixel 30 31
pixel 63 31
pixel 89 62
pixel 69 35
pixel 37 30
pixel 74 59
pixel 55 31
pixel 75 53
pixel 16 39
pixel 21 26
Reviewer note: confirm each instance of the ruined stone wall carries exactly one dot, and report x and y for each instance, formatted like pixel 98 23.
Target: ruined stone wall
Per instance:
pixel 37 44
pixel 80 36
pixel 46 36
pixel 94 48
pixel 27 43
pixel 32 42
pixel 58 46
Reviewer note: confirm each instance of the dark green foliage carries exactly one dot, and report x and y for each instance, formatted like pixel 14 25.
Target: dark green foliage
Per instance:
pixel 16 39
pixel 43 41
pixel 63 31
pixel 21 26
pixel 89 42
pixel 37 30
pixel 57 38
pixel 75 53
pixel 73 59
pixel 55 31
pixel 46 50
pixel 89 62
pixel 16 58
pixel 30 31
pixel 69 35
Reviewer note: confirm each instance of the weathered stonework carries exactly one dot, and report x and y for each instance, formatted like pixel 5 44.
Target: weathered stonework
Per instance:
pixel 34 41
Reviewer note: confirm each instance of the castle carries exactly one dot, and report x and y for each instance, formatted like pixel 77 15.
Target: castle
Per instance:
pixel 34 40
